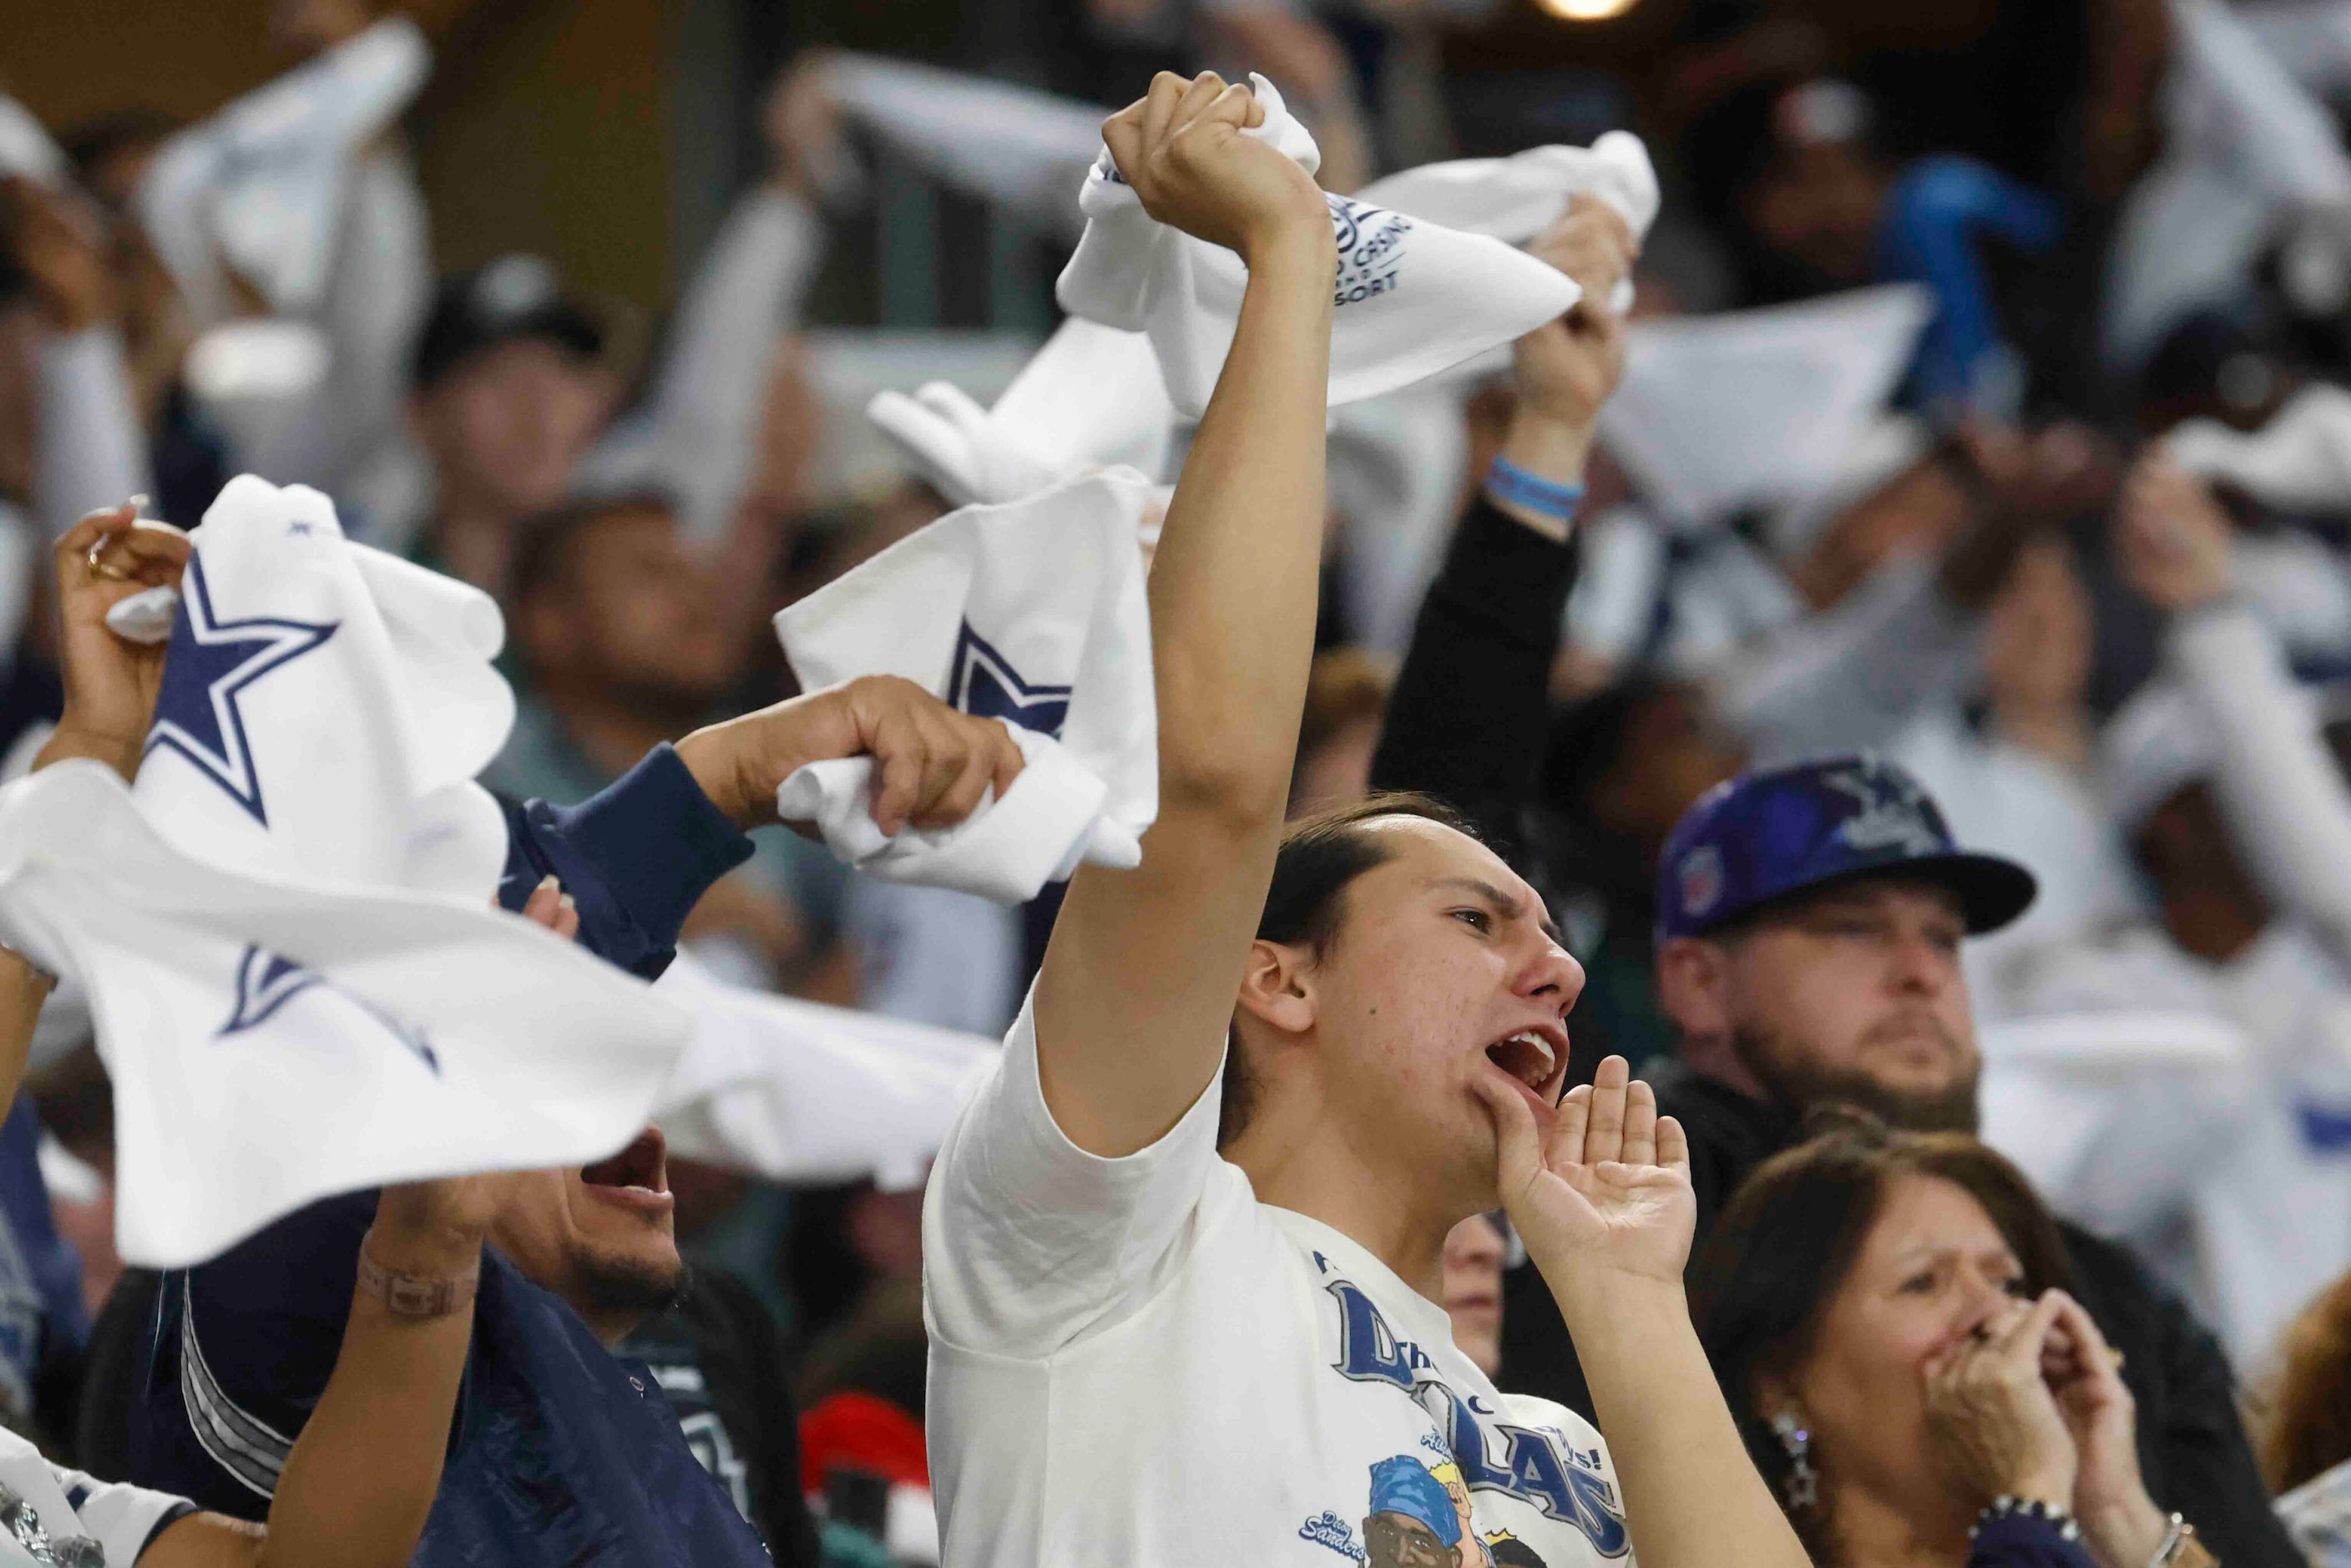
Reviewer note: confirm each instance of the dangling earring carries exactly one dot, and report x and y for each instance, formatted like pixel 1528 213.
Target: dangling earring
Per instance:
pixel 1804 1483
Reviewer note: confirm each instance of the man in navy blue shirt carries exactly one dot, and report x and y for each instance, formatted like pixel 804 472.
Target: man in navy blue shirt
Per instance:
pixel 562 1453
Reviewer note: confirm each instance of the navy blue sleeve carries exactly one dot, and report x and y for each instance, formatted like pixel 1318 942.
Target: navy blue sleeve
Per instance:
pixel 636 857
pixel 238 1353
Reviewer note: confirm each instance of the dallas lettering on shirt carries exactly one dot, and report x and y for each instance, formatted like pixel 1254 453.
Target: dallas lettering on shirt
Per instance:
pixel 1371 248
pixel 1493 1455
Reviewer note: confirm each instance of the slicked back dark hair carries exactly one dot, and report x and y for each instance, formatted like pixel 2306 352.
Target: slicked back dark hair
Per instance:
pixel 1321 856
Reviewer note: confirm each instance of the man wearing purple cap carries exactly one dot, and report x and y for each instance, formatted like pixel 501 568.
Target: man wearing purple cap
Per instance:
pixel 1808 924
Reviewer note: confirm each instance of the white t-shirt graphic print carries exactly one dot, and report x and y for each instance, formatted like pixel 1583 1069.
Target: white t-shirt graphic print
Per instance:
pixel 1134 1362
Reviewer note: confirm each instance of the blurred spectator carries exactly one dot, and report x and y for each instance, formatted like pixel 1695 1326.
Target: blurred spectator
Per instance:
pixel 1475 1251
pixel 1346 693
pixel 508 393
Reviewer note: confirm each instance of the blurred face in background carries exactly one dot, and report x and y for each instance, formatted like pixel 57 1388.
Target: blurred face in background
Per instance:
pixel 628 612
pixel 506 426
pixel 20 341
pixel 1818 204
pixel 1475 1251
pixel 1851 993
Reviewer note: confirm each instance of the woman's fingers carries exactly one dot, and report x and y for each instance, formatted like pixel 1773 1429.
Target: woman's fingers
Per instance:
pixel 1204 92
pixel 1159 105
pixel 74 546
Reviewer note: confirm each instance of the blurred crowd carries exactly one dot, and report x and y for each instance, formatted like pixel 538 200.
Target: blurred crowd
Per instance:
pixel 1986 411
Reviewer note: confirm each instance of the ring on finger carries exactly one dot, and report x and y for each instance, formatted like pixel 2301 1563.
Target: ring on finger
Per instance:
pixel 104 568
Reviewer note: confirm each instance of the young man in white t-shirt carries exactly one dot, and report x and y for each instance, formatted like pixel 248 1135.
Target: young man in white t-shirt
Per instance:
pixel 1153 1345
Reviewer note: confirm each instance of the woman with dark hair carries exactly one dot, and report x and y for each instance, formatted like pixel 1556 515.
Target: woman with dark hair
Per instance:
pixel 1887 1313
pixel 2306 1433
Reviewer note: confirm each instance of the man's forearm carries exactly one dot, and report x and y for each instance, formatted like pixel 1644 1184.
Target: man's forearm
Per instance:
pixel 360 1480
pixel 1234 582
pixel 1692 1496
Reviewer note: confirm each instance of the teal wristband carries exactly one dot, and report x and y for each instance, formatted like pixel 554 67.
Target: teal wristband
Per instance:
pixel 1505 481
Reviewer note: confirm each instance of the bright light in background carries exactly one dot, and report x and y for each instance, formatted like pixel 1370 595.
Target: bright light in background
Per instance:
pixel 1588 10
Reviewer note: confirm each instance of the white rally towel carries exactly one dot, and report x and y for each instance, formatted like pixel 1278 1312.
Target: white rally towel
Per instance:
pixel 1516 198
pixel 1414 298
pixel 996 140
pixel 1032 613
pixel 324 707
pixel 261 185
pixel 25 148
pixel 800 1093
pixel 1090 399
pixel 1715 413
pixel 2300 460
pixel 271 1044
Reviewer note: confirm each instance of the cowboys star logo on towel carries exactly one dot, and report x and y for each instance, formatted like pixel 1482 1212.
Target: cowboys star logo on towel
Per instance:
pixel 210 662
pixel 1889 813
pixel 986 686
pixel 267 982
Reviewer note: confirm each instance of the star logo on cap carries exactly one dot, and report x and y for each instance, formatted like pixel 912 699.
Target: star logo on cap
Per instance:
pixel 210 662
pixel 267 981
pixel 1889 813
pixel 986 686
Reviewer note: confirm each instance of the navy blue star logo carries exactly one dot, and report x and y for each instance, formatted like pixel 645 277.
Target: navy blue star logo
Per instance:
pixel 211 661
pixel 267 981
pixel 985 684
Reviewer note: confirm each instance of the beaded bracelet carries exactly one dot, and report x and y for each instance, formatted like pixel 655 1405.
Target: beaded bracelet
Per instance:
pixel 2006 1507
pixel 1505 481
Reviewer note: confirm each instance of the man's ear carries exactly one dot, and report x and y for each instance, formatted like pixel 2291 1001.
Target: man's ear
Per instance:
pixel 1277 986
pixel 1693 987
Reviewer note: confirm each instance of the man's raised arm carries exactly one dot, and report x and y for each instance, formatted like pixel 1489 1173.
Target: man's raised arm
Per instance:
pixel 1139 981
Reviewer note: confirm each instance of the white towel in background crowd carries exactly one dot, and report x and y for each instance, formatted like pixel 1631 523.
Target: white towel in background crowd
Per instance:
pixel 25 148
pixel 324 707
pixel 1716 413
pixel 1006 143
pixel 1413 297
pixel 1090 399
pixel 375 1037
pixel 2300 461
pixel 800 1093
pixel 1516 198
pixel 261 185
pixel 1032 613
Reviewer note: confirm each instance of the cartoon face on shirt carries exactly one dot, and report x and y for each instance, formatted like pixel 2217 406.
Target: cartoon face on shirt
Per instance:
pixel 1414 1521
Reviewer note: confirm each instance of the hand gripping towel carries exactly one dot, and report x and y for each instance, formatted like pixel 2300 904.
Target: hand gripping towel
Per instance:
pixel 261 185
pixel 324 707
pixel 1090 399
pixel 271 1044
pixel 803 1093
pixel 1414 298
pixel 1032 613
pixel 1516 198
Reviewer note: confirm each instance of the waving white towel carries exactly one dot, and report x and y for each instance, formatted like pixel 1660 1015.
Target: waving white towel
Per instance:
pixel 261 184
pixel 997 140
pixel 1414 298
pixel 796 1092
pixel 324 707
pixel 1090 399
pixel 2300 460
pixel 1032 613
pixel 271 1044
pixel 1516 198
pixel 25 148
pixel 1757 407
